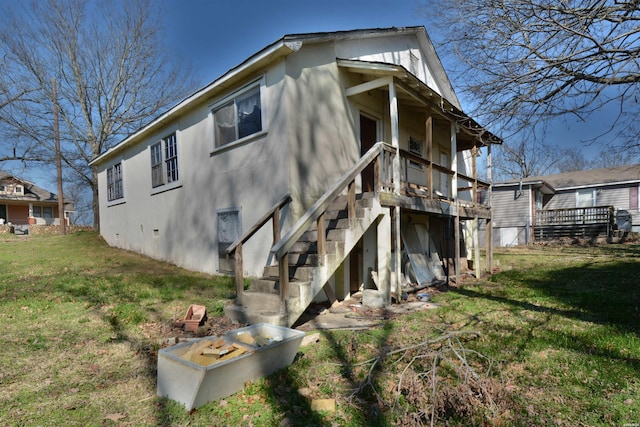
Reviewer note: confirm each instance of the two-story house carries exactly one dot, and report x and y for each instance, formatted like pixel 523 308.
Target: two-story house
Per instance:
pixel 322 164
pixel 22 203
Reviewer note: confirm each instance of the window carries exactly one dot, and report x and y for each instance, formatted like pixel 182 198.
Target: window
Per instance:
pixel 37 212
pixel 415 147
pixel 114 182
pixel 164 161
pixel 238 117
pixel 585 198
pixel 47 213
pixel 18 189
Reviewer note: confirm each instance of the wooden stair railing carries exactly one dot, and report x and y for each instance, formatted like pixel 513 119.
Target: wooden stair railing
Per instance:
pixel 380 153
pixel 236 247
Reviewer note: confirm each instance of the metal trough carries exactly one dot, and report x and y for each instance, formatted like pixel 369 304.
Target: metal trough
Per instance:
pixel 194 385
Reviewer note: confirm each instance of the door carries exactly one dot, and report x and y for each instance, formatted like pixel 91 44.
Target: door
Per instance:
pixel 368 138
pixel 3 214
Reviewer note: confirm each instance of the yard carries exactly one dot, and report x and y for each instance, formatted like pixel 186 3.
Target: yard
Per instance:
pixel 553 338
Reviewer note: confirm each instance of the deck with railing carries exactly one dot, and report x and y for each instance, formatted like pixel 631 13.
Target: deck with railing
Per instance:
pixel 587 222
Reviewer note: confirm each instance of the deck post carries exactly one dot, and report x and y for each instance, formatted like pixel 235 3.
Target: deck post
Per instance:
pixel 276 226
pixel 321 239
pixel 283 270
pixel 239 274
pixel 351 202
pixel 395 142
pixel 429 139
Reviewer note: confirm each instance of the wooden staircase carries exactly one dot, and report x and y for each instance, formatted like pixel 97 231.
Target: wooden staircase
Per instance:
pixel 308 272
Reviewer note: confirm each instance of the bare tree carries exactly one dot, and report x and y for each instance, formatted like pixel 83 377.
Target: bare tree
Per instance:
pixel 524 159
pixel 525 61
pixel 112 71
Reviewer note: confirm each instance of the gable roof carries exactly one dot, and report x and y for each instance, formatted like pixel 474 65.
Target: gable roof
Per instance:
pixel 628 174
pixel 286 45
pixel 32 193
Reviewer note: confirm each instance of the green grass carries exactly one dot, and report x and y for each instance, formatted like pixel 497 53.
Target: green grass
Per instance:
pixel 552 339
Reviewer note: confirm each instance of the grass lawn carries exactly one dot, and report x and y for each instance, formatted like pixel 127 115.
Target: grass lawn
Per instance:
pixel 551 339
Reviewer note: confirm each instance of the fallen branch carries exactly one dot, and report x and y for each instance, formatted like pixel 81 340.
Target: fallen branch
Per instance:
pixel 440 376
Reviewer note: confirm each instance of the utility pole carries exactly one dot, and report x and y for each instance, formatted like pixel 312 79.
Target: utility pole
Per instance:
pixel 63 225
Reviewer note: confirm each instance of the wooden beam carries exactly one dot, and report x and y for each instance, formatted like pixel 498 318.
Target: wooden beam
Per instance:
pixel 370 85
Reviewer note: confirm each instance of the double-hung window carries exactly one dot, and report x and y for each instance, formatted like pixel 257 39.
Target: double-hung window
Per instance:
pixel 238 117
pixel 164 162
pixel 115 189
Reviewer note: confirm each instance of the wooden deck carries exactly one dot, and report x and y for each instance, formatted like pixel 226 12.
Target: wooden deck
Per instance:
pixel 586 223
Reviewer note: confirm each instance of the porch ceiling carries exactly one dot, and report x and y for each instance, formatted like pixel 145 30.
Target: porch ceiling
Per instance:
pixel 415 94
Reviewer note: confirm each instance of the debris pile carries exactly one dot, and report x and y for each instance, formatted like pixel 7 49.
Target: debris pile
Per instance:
pixel 209 351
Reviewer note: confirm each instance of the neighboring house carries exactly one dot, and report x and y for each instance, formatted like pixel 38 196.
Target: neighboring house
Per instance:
pixel 572 204
pixel 277 170
pixel 24 203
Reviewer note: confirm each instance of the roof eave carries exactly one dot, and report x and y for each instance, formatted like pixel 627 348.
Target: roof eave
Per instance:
pixel 269 54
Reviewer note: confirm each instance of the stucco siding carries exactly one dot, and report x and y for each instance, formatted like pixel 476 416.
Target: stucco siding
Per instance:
pixel 180 224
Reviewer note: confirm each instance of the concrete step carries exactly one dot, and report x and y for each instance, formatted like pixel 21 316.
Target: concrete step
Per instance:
pixel 302 273
pixel 331 234
pixel 261 301
pixel 271 285
pixel 244 315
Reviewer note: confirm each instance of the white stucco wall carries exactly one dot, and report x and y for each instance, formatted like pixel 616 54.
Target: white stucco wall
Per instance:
pixel 180 225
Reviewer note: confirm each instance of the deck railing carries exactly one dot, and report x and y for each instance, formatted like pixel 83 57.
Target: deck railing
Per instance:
pixel 574 216
pixel 478 188
pixel 381 156
pixel 236 247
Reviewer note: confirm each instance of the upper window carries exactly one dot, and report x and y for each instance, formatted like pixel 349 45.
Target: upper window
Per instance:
pixel 115 189
pixel 164 161
pixel 238 117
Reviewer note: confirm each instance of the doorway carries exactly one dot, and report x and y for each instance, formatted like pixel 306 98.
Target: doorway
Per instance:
pixel 368 138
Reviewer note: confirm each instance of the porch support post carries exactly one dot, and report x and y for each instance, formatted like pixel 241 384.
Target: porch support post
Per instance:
pixel 395 142
pixel 489 234
pixel 454 196
pixel 428 130
pixel 476 247
pixel 384 255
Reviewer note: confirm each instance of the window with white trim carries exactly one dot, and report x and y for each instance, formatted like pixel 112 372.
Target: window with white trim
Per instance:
pixel 164 161
pixel 585 198
pixel 238 117
pixel 115 189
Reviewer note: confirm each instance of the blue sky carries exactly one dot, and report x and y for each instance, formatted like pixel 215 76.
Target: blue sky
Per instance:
pixel 216 35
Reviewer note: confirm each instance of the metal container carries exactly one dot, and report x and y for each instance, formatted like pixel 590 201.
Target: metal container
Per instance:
pixel 195 385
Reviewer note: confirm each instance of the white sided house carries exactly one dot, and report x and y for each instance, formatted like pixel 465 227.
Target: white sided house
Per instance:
pixel 323 164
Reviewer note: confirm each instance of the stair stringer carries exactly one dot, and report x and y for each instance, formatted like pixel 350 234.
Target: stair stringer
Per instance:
pixel 333 260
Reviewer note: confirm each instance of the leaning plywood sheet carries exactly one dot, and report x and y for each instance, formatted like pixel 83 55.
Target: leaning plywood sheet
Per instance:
pixel 416 254
pixel 435 263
